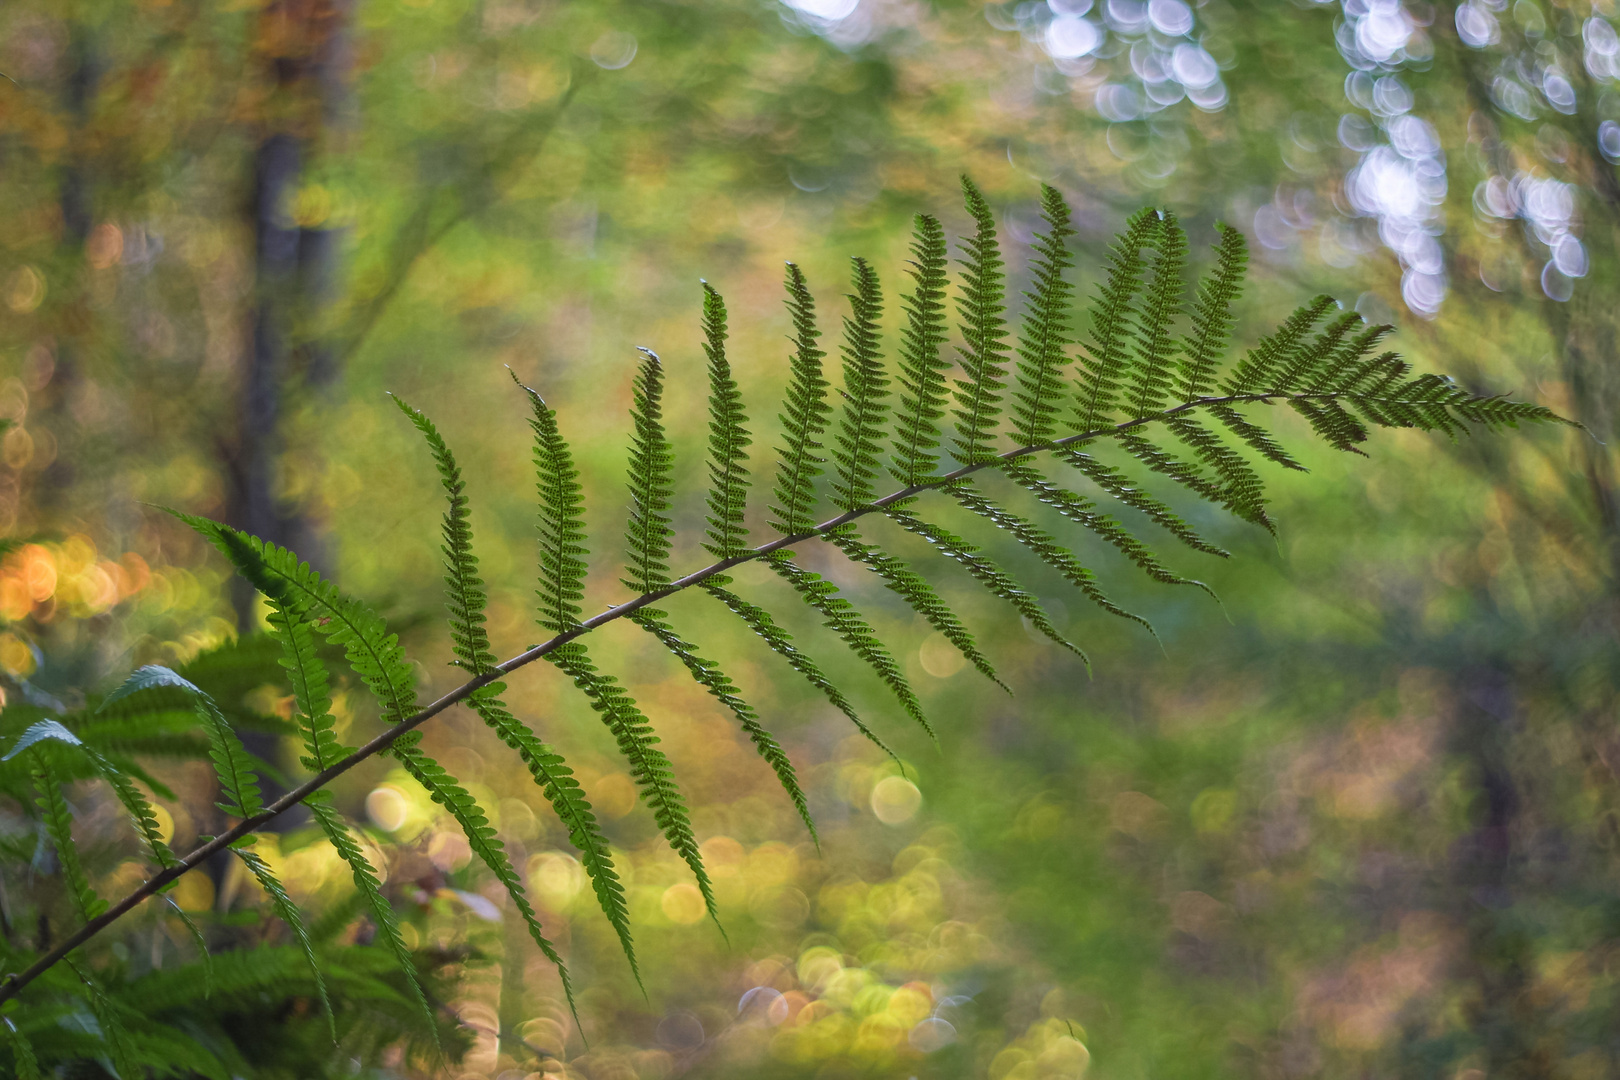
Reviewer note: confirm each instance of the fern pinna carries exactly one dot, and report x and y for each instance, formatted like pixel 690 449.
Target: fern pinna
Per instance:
pixel 1150 392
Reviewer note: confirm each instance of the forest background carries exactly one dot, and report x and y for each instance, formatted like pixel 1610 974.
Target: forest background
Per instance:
pixel 1362 821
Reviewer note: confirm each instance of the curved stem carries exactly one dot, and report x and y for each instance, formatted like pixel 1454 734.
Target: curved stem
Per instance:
pixel 13 984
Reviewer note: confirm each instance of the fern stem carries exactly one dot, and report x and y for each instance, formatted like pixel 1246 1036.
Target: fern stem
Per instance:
pixel 13 984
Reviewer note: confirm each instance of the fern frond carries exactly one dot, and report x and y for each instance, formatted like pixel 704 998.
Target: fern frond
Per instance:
pixel 651 460
pixel 1107 354
pixel 649 767
pixel 1154 370
pixel 311 689
pixel 728 438
pixel 841 617
pixel 245 976
pixel 444 789
pixel 1043 547
pixel 1326 353
pixel 804 415
pixel 1161 461
pixel 466 600
pixel 42 732
pixel 135 804
pixel 1334 425
pixel 556 780
pixel 864 392
pixel 382 912
pixel 205 957
pixel 464 589
pixel 1257 437
pixel 23 1059
pixel 780 642
pixel 562 536
pixel 1046 327
pixel 984 357
pixel 562 541
pixel 372 651
pixel 707 674
pixel 57 818
pixel 920 596
pixel 238 783
pixel 996 580
pixel 1083 512
pixel 115 1035
pixel 1211 315
pixel 923 393
pixel 287 912
pixel 1350 363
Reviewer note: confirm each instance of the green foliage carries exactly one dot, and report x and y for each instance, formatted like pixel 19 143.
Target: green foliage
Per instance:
pixel 922 369
pixel 864 391
pixel 728 438
pixel 651 460
pixel 1042 344
pixel 287 912
pixel 1149 372
pixel 983 352
pixel 192 1018
pixel 804 415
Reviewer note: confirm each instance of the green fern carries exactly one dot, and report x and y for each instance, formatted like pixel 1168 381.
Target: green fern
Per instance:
pixel 466 600
pixel 651 460
pixel 1041 344
pixel 1107 354
pixel 58 821
pixel 728 438
pixel 983 570
pixel 287 912
pixel 562 586
pixel 804 415
pixel 1154 369
pixel 1210 316
pixel 24 1061
pixel 865 388
pixel 113 1030
pixel 923 393
pixel 365 880
pixel 842 618
pixel 918 594
pixel 983 353
pixel 1153 374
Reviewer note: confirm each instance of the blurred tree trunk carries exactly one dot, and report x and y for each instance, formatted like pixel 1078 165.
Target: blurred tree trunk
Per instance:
pixel 74 200
pixel 303 45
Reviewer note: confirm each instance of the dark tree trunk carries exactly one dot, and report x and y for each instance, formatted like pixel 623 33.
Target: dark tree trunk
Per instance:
pixel 294 281
pixel 75 200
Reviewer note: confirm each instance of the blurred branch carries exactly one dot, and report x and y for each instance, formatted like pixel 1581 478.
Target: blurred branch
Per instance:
pixel 428 225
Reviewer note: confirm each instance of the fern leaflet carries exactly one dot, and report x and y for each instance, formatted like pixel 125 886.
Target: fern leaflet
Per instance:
pixel 864 391
pixel 1046 327
pixel 984 357
pixel 287 912
pixel 804 415
pixel 922 370
pixel 728 438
